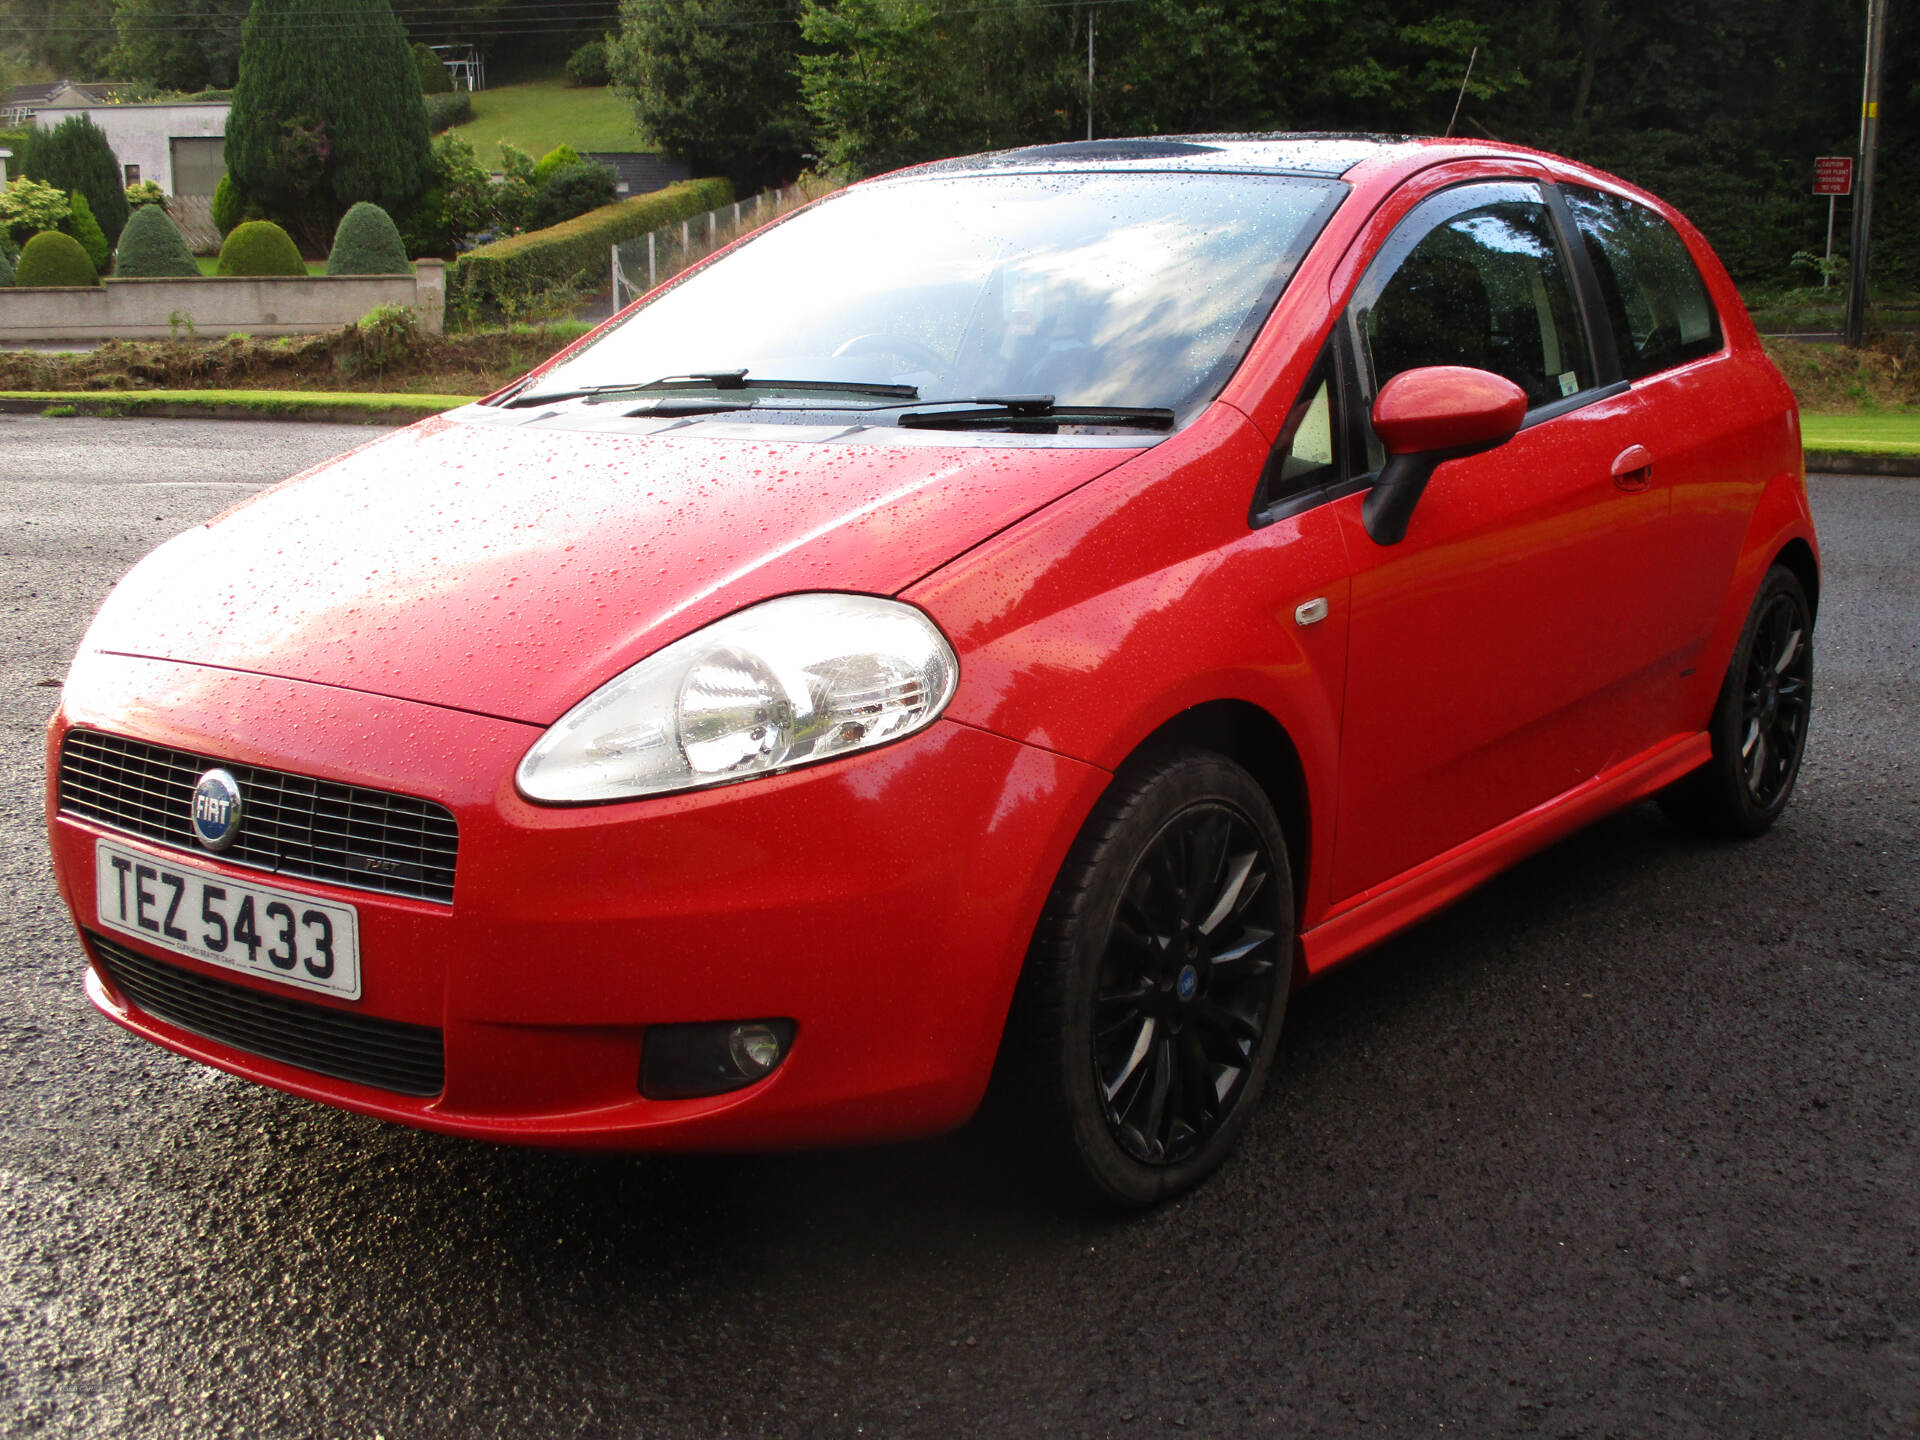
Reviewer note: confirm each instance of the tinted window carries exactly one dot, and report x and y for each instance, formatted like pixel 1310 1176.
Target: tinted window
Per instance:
pixel 1487 288
pixel 1655 298
pixel 1096 288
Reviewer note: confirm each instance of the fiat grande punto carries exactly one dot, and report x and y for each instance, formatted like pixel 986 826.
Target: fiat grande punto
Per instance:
pixel 1014 620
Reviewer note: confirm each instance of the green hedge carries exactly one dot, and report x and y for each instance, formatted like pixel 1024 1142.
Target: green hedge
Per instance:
pixel 509 277
pixel 446 111
pixel 259 247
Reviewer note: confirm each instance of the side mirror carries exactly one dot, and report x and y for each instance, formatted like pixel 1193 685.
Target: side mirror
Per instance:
pixel 1430 415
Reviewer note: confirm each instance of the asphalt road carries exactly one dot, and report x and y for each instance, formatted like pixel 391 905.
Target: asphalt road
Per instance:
pixel 1624 1144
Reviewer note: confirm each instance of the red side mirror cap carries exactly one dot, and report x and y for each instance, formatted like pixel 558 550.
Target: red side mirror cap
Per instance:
pixel 1447 407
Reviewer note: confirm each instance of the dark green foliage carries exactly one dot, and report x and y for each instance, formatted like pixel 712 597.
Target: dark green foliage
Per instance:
pixel 327 112
pixel 588 64
pixel 74 155
pixel 572 190
pixel 152 246
pixel 446 111
pixel 51 258
pixel 229 205
pixel 434 79
pixel 722 95
pixel 259 247
pixel 84 228
pixel 510 278
pixel 6 267
pixel 367 243
pixel 184 45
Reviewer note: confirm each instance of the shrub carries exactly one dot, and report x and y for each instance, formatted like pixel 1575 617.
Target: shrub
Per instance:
pixel 551 161
pixel 422 226
pixel 510 277
pixel 51 258
pixel 259 247
pixel 74 155
pixel 385 335
pixel 229 205
pixel 446 111
pixel 84 228
pixel 588 64
pixel 6 267
pixel 144 192
pixel 367 243
pixel 573 190
pixel 434 79
pixel 29 206
pixel 152 246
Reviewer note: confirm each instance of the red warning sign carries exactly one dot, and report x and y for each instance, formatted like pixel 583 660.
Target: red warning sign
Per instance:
pixel 1833 175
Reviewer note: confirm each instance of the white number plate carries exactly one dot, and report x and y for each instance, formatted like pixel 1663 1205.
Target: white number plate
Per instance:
pixel 273 934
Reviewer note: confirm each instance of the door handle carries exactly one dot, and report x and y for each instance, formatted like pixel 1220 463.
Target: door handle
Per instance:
pixel 1633 468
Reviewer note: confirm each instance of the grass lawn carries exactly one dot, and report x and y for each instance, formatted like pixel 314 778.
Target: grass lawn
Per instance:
pixel 1868 434
pixel 207 262
pixel 540 114
pixel 320 404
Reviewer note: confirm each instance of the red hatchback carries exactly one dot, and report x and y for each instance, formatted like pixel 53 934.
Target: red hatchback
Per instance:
pixel 1020 615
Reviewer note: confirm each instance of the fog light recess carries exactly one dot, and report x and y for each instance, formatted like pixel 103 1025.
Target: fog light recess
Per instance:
pixel 683 1062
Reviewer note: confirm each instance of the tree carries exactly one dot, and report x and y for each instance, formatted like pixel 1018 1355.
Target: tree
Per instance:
pixel 75 155
pixel 327 112
pixel 714 83
pixel 178 44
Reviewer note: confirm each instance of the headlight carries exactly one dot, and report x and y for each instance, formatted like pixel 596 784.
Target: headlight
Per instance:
pixel 785 683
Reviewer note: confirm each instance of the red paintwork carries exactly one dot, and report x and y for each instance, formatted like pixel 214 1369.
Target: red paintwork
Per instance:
pixel 1446 407
pixel 1545 645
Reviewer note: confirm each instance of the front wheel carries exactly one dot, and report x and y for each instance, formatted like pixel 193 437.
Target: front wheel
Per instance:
pixel 1759 725
pixel 1157 980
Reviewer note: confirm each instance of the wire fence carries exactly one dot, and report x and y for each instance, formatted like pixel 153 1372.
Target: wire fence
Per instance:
pixel 650 260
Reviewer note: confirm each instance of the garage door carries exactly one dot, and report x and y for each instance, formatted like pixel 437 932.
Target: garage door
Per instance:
pixel 198 165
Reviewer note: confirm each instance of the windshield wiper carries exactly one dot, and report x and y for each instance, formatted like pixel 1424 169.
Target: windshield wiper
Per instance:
pixel 716 380
pixel 993 411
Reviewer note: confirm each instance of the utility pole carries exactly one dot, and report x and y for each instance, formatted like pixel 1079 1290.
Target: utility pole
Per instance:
pixel 1869 145
pixel 1090 17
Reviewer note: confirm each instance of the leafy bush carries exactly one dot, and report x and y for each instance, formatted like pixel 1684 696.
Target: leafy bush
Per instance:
pixel 446 111
pixel 51 258
pixel 152 246
pixel 434 79
pixel 508 278
pixel 367 243
pixel 75 155
pixel 259 247
pixel 144 192
pixel 6 267
pixel 551 161
pixel 29 206
pixel 588 64
pixel 84 228
pixel 573 190
pixel 513 200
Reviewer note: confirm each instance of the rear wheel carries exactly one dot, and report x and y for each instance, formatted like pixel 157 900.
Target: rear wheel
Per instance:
pixel 1759 725
pixel 1157 981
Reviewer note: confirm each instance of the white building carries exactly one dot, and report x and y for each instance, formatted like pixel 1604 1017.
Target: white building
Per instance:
pixel 181 144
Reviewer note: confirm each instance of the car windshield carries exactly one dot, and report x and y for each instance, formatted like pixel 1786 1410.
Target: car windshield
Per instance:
pixel 1092 289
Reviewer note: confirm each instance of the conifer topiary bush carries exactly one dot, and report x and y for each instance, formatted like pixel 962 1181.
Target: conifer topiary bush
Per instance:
pixel 51 258
pixel 75 155
pixel 152 247
pixel 259 247
pixel 84 228
pixel 368 243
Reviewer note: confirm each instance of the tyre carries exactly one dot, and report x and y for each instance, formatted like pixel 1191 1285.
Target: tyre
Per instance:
pixel 1759 725
pixel 1154 990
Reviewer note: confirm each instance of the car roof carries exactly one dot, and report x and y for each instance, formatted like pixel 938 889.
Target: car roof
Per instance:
pixel 1324 153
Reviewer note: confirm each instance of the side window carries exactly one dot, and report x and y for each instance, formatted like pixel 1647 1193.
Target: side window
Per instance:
pixel 1656 301
pixel 1485 286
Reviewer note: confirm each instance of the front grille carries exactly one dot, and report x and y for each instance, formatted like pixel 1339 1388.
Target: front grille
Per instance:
pixel 386 1054
pixel 290 824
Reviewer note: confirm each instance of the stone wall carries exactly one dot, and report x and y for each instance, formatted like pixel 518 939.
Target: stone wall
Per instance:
pixel 214 306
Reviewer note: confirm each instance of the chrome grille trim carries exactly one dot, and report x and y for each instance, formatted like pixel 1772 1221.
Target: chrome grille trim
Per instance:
pixel 295 826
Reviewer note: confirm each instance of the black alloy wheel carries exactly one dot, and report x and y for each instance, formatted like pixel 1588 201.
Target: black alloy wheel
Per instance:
pixel 1152 999
pixel 1760 722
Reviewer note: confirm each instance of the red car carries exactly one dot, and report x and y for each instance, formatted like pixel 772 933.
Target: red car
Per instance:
pixel 1014 618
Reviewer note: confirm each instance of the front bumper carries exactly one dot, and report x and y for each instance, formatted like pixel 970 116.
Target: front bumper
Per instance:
pixel 883 902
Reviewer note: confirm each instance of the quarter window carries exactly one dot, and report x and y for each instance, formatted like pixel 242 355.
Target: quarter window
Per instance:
pixel 1656 301
pixel 1486 287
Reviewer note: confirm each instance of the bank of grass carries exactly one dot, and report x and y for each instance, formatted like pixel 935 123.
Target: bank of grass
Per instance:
pixel 1860 434
pixel 537 115
pixel 319 405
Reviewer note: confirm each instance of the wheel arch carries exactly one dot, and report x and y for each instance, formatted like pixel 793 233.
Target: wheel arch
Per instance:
pixel 1797 556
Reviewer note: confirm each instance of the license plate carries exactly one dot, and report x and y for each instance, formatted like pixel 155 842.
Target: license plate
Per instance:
pixel 255 929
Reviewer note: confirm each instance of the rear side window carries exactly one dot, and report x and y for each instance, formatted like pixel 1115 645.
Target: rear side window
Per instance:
pixel 1653 292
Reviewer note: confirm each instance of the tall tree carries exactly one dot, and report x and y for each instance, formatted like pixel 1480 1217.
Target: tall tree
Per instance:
pixel 327 111
pixel 714 83
pixel 75 156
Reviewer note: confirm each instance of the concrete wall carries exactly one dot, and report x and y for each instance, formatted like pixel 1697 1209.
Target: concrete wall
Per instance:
pixel 140 134
pixel 215 306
